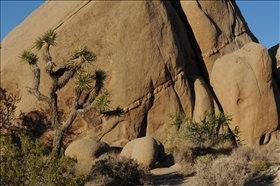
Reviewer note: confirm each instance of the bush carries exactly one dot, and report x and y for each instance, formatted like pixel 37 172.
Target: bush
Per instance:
pixel 32 163
pixel 236 169
pixel 118 171
pixel 258 166
pixel 209 131
pixel 221 171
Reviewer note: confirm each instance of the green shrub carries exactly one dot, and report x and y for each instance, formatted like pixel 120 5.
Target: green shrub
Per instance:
pixel 209 131
pixel 257 166
pixel 118 171
pixel 201 140
pixel 32 163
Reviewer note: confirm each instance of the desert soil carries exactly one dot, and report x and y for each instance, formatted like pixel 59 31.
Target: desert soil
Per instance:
pixel 169 176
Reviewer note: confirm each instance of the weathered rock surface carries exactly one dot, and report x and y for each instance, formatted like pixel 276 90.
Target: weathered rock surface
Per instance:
pixel 242 82
pixel 221 29
pixel 86 151
pixel 145 150
pixel 157 55
pixel 204 100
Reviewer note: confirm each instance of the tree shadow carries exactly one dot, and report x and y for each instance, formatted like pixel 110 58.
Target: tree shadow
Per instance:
pixel 35 123
pixel 266 179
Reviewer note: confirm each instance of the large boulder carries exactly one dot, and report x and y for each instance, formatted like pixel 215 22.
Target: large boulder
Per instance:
pixel 145 150
pixel 86 151
pixel 215 28
pixel 243 84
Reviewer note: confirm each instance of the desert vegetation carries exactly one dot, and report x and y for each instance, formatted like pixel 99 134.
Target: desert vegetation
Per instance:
pixel 7 109
pixel 31 162
pixel 207 152
pixel 116 170
pixel 210 154
pixel 95 96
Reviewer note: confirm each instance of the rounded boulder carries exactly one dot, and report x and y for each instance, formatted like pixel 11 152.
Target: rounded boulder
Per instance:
pixel 86 151
pixel 145 150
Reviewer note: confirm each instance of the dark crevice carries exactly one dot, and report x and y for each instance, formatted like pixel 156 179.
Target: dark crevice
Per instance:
pixel 144 125
pixel 143 128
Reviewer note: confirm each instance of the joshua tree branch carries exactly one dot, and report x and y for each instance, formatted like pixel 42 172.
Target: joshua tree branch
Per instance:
pixel 86 109
pixel 36 74
pixel 38 94
pixel 70 120
pixel 73 114
pixel 69 74
pixel 91 97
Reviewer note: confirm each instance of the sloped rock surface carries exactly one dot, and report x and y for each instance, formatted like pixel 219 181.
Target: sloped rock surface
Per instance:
pixel 142 77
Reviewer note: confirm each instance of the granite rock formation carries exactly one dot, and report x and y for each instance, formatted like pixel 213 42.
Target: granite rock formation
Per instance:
pixel 159 57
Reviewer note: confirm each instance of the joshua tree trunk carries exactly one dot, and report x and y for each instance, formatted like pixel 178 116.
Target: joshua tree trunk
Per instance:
pixel 57 138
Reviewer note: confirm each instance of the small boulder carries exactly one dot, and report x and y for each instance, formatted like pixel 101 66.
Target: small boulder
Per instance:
pixel 86 151
pixel 145 150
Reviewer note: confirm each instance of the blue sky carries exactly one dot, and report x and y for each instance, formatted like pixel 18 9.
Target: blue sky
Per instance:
pixel 263 17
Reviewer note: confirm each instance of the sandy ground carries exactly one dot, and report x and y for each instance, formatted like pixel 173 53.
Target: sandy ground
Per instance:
pixel 168 176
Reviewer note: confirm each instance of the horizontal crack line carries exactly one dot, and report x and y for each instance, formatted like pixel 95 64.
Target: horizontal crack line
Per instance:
pixel 157 90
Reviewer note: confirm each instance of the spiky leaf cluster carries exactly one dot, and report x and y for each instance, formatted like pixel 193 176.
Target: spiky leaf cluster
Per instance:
pixel 48 39
pixel 102 102
pixel 83 52
pixel 28 57
pixel 83 82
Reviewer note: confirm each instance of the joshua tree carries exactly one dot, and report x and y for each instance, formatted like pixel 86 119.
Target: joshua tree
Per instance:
pixel 60 77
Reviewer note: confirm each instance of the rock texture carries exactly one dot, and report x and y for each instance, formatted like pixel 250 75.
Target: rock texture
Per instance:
pixel 204 99
pixel 145 150
pixel 158 56
pixel 242 82
pixel 221 29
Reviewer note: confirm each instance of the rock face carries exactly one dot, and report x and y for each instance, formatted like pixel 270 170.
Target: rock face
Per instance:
pixel 86 151
pixel 221 29
pixel 158 58
pixel 145 150
pixel 242 82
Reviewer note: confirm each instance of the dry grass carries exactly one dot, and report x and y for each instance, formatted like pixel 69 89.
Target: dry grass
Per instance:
pixel 113 170
pixel 236 169
pixel 222 171
pixel 186 155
